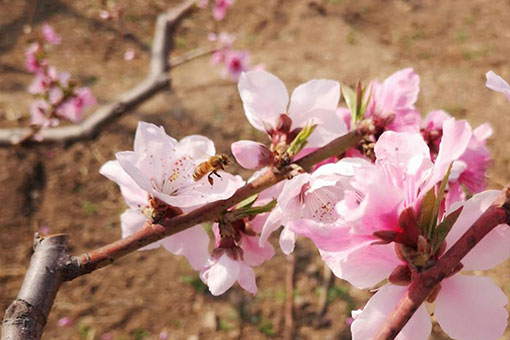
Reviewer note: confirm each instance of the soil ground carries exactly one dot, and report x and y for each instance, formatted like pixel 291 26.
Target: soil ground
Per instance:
pixel 451 44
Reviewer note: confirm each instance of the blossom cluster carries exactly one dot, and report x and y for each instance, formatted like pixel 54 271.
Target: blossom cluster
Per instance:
pixel 384 211
pixel 59 98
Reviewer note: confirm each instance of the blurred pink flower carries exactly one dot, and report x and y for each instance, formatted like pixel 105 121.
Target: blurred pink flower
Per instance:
pixel 129 54
pixel 498 84
pixel 65 322
pixel 220 9
pixel 49 34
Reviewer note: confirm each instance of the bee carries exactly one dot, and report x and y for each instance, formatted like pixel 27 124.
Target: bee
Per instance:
pixel 213 164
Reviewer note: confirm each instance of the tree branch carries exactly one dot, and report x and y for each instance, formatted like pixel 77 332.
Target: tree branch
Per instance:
pixel 26 316
pixel 156 80
pixel 422 284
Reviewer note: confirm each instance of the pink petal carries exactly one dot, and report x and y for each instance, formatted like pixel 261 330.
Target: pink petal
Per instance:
pixel 131 221
pixel 483 131
pixel 471 308
pixel 272 223
pixel 247 279
pixel 251 155
pixel 199 148
pixel 367 324
pixel 149 134
pixel 456 136
pixel 312 97
pixel 254 254
pixel 328 237
pixel 264 97
pixel 135 196
pixel 193 243
pixel 287 241
pixel 498 84
pixel 363 264
pixel 221 275
pixel 493 248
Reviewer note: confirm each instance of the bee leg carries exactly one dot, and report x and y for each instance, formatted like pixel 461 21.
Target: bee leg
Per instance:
pixel 210 179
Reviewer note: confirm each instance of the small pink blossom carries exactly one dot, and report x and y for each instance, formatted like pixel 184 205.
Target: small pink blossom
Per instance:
pixel 45 230
pixel 220 9
pixel 163 335
pixel 33 58
pixel 107 336
pixel 104 14
pixel 65 322
pixel 161 168
pixel 129 54
pixel 498 84
pixel 73 108
pixel 236 62
pixel 49 34
pixel 265 99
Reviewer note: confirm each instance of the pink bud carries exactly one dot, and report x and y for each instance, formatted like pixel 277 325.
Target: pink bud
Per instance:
pixel 251 155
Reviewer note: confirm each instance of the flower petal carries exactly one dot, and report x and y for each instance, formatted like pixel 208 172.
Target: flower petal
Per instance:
pixel 131 221
pixel 251 155
pixel 247 278
pixel 221 275
pixel 493 248
pixel 287 241
pixel 264 97
pixel 471 308
pixel 498 84
pixel 367 324
pixel 193 243
pixel 135 196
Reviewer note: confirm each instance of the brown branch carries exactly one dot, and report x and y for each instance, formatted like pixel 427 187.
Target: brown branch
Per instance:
pixel 26 316
pixel 289 297
pixel 151 233
pixel 422 284
pixel 156 80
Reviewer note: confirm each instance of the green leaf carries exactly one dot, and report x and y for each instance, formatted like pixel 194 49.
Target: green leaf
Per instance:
pixel 427 211
pixel 437 204
pixel 444 228
pixel 364 103
pixel 250 211
pixel 350 101
pixel 248 202
pixel 300 141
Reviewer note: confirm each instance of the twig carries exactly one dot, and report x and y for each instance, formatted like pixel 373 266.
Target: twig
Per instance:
pixel 289 297
pixel 156 80
pixel 190 56
pixel 422 284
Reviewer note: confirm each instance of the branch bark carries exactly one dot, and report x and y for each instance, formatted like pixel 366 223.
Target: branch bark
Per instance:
pixel 423 284
pixel 157 79
pixel 26 316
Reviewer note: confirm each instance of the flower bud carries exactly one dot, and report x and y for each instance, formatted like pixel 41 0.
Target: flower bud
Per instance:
pixel 251 155
pixel 400 276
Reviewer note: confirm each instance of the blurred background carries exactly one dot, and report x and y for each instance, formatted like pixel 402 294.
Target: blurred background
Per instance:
pixel 153 294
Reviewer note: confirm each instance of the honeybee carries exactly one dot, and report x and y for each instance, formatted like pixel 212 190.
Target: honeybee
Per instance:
pixel 213 164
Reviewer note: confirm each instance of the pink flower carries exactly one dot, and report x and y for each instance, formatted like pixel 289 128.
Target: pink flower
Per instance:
pixel 236 62
pixel 161 168
pixel 498 84
pixel 466 307
pixel 65 322
pixel 39 112
pixel 49 34
pixel 383 207
pixel 396 97
pixel 220 9
pixel 308 199
pixel 129 54
pixel 107 336
pixel 470 170
pixel 251 155
pixel 33 56
pixel 72 109
pixel 163 335
pixel 265 99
